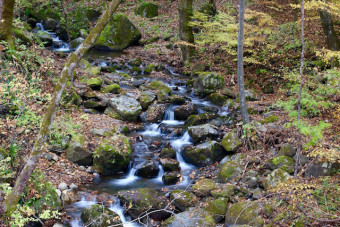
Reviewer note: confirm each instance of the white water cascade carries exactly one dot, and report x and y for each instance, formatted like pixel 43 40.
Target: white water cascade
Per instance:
pixel 58 44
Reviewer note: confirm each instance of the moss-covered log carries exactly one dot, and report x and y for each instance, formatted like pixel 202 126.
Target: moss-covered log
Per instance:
pixel 14 197
pixel 6 21
pixel 185 31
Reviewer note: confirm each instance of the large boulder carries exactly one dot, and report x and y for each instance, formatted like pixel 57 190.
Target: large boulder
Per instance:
pixel 204 154
pixel 193 217
pixel 146 98
pixel 217 99
pixel 207 83
pixel 230 142
pixel 201 132
pixel 244 213
pixel 275 177
pixel 169 164
pixel 95 83
pixel 284 162
pixel 99 216
pixel 217 208
pixel 159 86
pixel 183 199
pixel 77 152
pixel 147 9
pixel 118 34
pixel 147 169
pixel 203 187
pixel 185 111
pixel 154 113
pixel 231 170
pixel 127 108
pixel 143 200
pixel 113 155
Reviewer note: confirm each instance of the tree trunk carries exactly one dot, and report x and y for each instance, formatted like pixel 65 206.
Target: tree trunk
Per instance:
pixel 13 198
pixel 1 4
pixel 213 4
pixel 185 31
pixel 332 39
pixel 6 21
pixel 241 92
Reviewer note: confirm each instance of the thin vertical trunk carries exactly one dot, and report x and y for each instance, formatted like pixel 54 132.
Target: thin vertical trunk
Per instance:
pixel 6 22
pixel 302 80
pixel 1 4
pixel 13 198
pixel 213 4
pixel 240 78
pixel 296 11
pixel 185 31
pixel 332 39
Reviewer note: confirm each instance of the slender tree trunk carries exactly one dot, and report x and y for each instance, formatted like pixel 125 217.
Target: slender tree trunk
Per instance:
pixel 296 11
pixel 185 31
pixel 240 63
pixel 213 4
pixel 6 21
pixel 302 80
pixel 13 198
pixel 1 4
pixel 332 39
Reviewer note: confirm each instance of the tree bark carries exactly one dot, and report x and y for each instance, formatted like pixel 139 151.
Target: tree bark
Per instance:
pixel 240 78
pixel 185 31
pixel 6 21
pixel 13 198
pixel 213 4
pixel 1 4
pixel 302 81
pixel 332 39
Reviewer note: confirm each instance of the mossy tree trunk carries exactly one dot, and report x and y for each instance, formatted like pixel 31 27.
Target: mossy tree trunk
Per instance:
pixel 6 21
pixel 185 31
pixel 13 198
pixel 240 63
pixel 332 39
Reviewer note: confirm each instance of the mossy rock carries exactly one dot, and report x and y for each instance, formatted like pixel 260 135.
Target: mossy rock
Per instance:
pixel 217 208
pixel 283 162
pixel 230 142
pixel 90 104
pixel 183 199
pixel 159 85
pixel 176 99
pixel 149 68
pixel 45 37
pixel 99 216
pixel 95 83
pixel 223 190
pixel 113 155
pixel 217 99
pixel 135 62
pixel 270 119
pixel 168 153
pixel 193 217
pixel 207 83
pixel 112 88
pixel 169 164
pixel 77 151
pixel 24 36
pixel 287 149
pixel 118 34
pixel 230 170
pixel 162 95
pixel 171 178
pixel 90 69
pixel 147 9
pixel 275 177
pixel 128 108
pixel 244 213
pixel 112 113
pixel 146 98
pixel 203 187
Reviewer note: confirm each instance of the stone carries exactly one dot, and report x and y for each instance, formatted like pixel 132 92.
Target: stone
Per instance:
pixel 45 38
pixel 203 118
pixel 217 99
pixel 135 62
pixel 183 199
pixel 229 93
pixel 168 153
pixel 203 187
pixel 62 186
pixel 147 9
pixel 113 155
pixel 319 169
pixel 99 216
pixel 149 68
pixel 169 164
pixel 92 71
pixel 230 142
pixel 127 108
pixel 185 111
pixel 204 154
pixel 275 177
pixel 69 196
pixel 77 153
pixel 244 213
pixel 207 83
pixel 118 34
pixel 201 132
pixel 155 113
pixel 159 85
pixel 95 83
pixel 230 170
pixel 112 88
pixel 147 169
pixel 176 99
pixel 193 217
pixel 142 200
pixel 223 190
pixel 58 192
pixel 217 208
pixel 284 162
pixel 76 43
pixel 287 149
pixel 73 186
pixel 170 178
pixel 146 98
pixel 251 95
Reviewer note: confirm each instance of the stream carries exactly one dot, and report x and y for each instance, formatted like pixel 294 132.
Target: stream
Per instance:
pixel 168 131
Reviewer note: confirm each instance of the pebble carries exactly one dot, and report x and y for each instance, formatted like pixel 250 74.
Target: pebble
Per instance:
pixel 62 186
pixel 82 168
pixel 73 186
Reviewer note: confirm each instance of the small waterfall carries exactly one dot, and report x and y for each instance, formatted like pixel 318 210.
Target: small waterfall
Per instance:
pixel 58 44
pixel 130 178
pixel 118 209
pixel 178 144
pixel 152 130
pixel 169 117
pixel 160 174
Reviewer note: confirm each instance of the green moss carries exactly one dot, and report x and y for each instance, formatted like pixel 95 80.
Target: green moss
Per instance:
pixel 225 191
pixel 203 187
pixel 217 99
pixel 147 9
pixel 231 142
pixel 158 85
pixel 112 88
pixel 284 162
pixel 95 83
pixel 270 119
pixel 149 68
